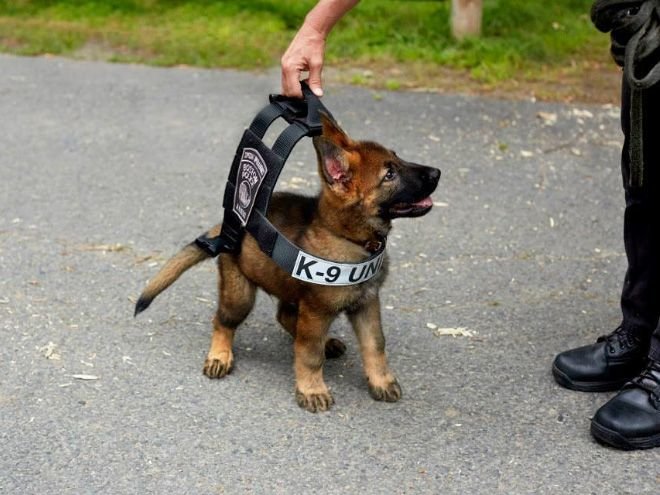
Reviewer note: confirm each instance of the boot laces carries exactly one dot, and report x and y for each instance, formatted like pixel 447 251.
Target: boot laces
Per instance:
pixel 624 337
pixel 649 379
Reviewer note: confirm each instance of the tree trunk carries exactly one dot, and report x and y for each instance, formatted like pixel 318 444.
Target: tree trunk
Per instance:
pixel 466 18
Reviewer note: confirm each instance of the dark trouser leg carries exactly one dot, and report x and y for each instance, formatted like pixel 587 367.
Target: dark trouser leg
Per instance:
pixel 640 297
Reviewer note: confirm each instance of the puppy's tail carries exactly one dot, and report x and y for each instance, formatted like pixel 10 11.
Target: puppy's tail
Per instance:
pixel 188 257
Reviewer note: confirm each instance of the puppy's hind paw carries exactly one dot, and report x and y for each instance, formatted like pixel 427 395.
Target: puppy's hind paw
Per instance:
pixel 388 393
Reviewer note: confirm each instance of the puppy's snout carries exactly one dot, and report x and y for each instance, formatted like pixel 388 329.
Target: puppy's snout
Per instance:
pixel 431 176
pixel 434 175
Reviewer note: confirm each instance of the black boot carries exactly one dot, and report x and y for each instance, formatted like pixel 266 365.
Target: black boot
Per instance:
pixel 606 365
pixel 631 419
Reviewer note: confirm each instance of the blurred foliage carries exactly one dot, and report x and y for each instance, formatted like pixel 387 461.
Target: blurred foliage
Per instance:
pixel 518 35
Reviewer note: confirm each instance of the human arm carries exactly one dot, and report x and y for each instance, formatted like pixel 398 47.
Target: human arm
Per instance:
pixel 307 49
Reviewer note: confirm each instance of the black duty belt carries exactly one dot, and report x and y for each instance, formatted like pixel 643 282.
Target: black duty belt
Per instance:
pixel 251 183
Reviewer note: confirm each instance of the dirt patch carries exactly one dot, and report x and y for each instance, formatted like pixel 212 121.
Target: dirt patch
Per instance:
pixel 106 51
pixel 587 82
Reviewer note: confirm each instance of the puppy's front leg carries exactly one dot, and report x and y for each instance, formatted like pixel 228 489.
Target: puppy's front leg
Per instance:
pixel 309 349
pixel 367 326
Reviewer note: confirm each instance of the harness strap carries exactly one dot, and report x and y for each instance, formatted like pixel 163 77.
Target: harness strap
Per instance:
pixel 307 267
pixel 265 118
pixel 288 140
pixel 250 185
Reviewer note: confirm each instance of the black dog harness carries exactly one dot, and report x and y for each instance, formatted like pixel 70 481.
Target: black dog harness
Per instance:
pixel 251 183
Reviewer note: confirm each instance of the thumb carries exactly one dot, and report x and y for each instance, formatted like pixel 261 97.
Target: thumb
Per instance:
pixel 314 79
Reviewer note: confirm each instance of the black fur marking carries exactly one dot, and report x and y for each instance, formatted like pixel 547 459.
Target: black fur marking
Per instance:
pixel 229 321
pixel 142 304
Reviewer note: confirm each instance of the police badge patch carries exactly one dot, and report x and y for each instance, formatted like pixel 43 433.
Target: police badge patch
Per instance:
pixel 251 172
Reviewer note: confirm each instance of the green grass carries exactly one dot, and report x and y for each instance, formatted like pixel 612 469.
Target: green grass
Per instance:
pixel 520 36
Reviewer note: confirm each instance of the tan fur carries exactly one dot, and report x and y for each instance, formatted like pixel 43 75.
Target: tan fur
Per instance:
pixel 188 257
pixel 338 225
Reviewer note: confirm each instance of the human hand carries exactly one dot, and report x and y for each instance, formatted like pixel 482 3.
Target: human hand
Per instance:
pixel 305 54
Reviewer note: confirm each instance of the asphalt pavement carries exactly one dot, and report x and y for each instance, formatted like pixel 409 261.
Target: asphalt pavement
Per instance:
pixel 107 170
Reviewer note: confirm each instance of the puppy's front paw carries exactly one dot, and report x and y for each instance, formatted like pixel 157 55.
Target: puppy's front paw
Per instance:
pixel 219 365
pixel 390 392
pixel 315 402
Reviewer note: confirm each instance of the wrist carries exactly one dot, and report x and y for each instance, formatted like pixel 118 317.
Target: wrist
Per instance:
pixel 322 18
pixel 314 30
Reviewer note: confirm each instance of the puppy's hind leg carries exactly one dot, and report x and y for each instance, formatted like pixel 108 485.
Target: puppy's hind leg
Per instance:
pixel 236 299
pixel 287 315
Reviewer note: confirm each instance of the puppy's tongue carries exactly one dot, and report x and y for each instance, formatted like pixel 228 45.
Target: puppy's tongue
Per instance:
pixel 424 203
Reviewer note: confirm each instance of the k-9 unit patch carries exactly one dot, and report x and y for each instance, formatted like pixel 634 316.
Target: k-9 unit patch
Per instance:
pixel 251 172
pixel 319 271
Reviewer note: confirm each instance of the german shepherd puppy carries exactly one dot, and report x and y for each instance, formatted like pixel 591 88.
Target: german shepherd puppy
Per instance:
pixel 363 187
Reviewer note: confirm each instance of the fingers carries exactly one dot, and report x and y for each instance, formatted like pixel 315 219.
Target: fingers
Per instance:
pixel 291 82
pixel 292 74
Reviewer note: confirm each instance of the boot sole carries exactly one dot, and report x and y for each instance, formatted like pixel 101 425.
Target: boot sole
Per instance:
pixel 615 439
pixel 563 379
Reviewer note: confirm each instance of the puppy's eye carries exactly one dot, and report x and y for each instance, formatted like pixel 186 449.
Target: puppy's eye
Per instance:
pixel 390 175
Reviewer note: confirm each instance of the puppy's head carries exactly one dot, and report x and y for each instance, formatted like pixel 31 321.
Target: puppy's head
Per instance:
pixel 370 178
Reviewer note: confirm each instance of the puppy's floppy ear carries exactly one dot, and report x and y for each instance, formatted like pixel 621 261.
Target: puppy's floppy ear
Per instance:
pixel 331 151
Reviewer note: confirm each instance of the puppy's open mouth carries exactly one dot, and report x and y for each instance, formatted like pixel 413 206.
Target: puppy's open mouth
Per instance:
pixel 416 209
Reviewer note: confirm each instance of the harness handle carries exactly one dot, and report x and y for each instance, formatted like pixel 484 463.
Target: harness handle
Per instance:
pixel 305 112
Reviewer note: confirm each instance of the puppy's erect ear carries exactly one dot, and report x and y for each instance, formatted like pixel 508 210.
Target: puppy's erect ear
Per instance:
pixel 333 132
pixel 333 161
pixel 331 151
